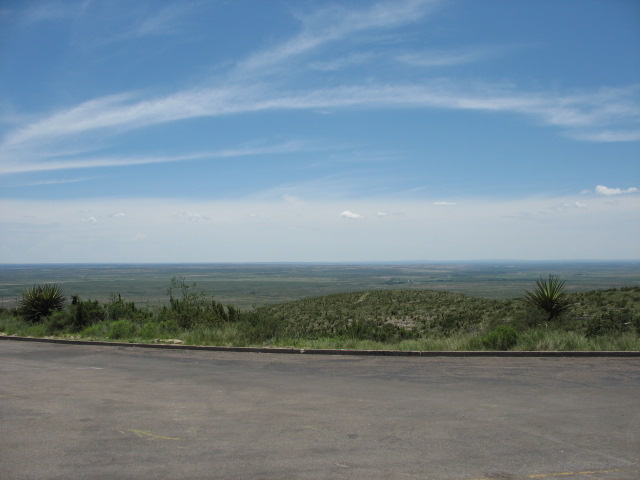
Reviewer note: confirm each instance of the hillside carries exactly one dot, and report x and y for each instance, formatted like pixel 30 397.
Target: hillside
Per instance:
pixel 388 319
pixel 429 312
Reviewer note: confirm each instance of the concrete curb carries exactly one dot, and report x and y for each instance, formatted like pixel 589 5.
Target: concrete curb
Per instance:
pixel 299 351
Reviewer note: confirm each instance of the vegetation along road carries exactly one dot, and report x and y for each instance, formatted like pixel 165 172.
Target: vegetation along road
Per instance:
pixel 97 412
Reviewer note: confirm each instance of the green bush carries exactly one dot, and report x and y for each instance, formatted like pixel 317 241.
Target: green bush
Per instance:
pixel 85 313
pixel 255 328
pixel 162 329
pixel 40 301
pixel 117 308
pixel 612 322
pixel 190 307
pixel 59 321
pixel 368 330
pixel 502 337
pixel 121 329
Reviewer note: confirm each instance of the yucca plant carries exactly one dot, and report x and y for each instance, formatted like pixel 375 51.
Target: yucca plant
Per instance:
pixel 40 301
pixel 549 295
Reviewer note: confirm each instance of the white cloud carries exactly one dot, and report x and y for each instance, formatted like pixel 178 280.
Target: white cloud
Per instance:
pixel 445 204
pixel 602 190
pixel 382 214
pixel 91 220
pixel 570 205
pixel 351 215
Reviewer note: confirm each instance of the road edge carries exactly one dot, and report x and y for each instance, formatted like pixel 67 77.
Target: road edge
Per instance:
pixel 317 351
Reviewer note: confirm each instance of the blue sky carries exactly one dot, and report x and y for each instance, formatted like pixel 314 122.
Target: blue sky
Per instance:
pixel 251 131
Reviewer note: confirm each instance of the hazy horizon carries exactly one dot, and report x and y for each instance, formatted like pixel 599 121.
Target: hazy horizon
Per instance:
pixel 505 262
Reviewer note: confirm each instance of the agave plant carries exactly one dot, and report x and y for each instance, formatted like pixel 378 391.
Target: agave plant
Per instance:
pixel 549 295
pixel 40 301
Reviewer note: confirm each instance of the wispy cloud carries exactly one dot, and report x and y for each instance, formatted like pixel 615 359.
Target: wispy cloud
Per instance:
pixel 82 162
pixel 570 205
pixel 163 22
pixel 335 23
pixel 448 58
pixel 574 112
pixel 191 217
pixel 600 115
pixel 57 181
pixel 48 11
pixel 342 62
pixel 606 136
pixel 607 191
pixel 169 20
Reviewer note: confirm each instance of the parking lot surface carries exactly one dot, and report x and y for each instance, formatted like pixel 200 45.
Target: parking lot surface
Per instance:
pixel 99 412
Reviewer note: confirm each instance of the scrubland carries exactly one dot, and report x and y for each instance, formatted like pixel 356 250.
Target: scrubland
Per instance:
pixel 418 319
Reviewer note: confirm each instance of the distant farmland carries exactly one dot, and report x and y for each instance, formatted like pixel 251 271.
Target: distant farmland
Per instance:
pixel 248 285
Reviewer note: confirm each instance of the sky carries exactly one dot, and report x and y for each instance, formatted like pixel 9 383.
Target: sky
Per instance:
pixel 319 131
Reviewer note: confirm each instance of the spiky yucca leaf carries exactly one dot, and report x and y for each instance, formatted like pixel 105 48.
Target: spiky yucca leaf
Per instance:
pixel 549 295
pixel 40 301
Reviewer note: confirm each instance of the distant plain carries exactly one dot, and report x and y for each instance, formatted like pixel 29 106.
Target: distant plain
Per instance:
pixel 253 284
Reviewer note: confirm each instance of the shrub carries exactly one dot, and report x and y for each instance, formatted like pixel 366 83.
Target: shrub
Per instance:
pixel 116 308
pixel 190 307
pixel 502 337
pixel 256 328
pixel 85 313
pixel 40 301
pixel 163 329
pixel 59 321
pixel 549 295
pixel 612 322
pixel 121 329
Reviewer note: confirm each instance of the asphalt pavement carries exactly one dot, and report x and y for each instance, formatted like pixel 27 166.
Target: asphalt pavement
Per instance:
pixel 109 412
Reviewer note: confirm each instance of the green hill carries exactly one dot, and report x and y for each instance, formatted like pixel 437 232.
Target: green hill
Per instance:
pixel 413 313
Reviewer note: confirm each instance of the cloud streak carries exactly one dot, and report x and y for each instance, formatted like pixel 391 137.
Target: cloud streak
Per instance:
pixel 82 162
pixel 574 112
pixel 449 58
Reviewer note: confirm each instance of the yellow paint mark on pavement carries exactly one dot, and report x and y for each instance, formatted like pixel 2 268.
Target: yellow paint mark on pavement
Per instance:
pixel 314 427
pixel 142 433
pixel 568 474
pixel 562 474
